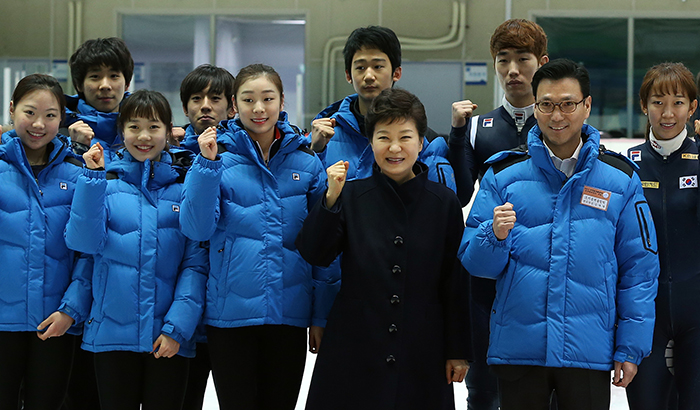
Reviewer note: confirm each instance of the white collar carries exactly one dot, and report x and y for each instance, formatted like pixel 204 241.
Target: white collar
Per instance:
pixel 667 147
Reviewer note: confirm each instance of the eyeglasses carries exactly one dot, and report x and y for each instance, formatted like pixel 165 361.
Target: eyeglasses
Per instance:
pixel 567 107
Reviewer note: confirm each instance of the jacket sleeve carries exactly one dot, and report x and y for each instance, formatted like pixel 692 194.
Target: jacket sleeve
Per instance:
pixel 461 157
pixel 456 292
pixel 326 280
pixel 638 271
pixel 481 253
pixel 320 240
pixel 188 302
pixel 86 230
pixel 77 300
pixel 200 209
pixel 434 155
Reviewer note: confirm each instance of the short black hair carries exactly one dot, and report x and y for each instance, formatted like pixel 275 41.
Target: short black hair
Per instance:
pixel 394 104
pixel 109 52
pixel 373 37
pixel 559 69
pixel 145 104
pixel 218 79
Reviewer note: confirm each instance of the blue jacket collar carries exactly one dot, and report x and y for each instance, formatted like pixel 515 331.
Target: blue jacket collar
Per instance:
pixel 148 175
pixel 237 135
pixel 589 150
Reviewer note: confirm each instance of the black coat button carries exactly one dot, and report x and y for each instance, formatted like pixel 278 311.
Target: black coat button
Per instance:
pixel 390 359
pixel 393 328
pixel 398 241
pixel 395 300
pixel 396 269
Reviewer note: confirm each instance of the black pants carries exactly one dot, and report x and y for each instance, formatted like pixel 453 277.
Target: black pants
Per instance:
pixel 82 388
pixel 530 388
pixel 126 380
pixel 677 319
pixel 481 383
pixel 197 380
pixel 43 366
pixel 257 367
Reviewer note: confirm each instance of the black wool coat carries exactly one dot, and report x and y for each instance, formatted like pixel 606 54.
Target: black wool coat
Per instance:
pixel 402 307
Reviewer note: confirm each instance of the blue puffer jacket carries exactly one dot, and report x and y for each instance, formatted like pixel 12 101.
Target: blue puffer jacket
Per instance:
pixel 575 283
pixel 38 267
pixel 252 212
pixel 149 279
pixel 103 124
pixel 190 140
pixel 348 144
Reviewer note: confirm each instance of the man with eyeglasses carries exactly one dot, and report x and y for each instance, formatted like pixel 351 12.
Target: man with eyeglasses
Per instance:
pixel 565 230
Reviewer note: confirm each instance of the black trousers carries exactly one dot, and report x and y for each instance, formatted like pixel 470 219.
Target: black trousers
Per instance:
pixel 126 380
pixel 677 319
pixel 197 380
pixel 530 388
pixel 257 367
pixel 43 366
pixel 481 383
pixel 82 387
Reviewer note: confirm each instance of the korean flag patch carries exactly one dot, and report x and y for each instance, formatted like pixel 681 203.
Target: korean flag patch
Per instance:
pixel 488 123
pixel 690 181
pixel 176 208
pixel 295 176
pixel 63 186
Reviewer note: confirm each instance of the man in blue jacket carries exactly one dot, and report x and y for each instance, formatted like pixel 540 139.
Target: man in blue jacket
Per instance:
pixel 565 230
pixel 372 64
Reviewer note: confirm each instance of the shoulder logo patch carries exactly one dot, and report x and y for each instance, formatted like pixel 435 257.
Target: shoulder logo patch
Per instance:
pixel 595 198
pixel 687 155
pixel 636 156
pixel 487 123
pixel 650 184
pixel 176 208
pixel 63 186
pixel 690 181
pixel 296 176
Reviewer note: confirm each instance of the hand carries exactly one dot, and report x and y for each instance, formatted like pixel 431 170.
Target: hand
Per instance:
pixel 176 136
pixel 56 325
pixel 322 130
pixel 81 132
pixel 697 126
pixel 336 181
pixel 628 370
pixel 207 143
pixel 461 110
pixel 315 336
pixel 95 157
pixel 456 370
pixel 165 346
pixel 503 220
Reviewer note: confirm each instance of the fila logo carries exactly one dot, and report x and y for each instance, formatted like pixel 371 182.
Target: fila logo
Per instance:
pixel 296 176
pixel 636 156
pixel 63 186
pixel 176 208
pixel 690 181
pixel 488 123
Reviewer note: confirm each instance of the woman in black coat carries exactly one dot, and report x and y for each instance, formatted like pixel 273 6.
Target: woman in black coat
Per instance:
pixel 397 334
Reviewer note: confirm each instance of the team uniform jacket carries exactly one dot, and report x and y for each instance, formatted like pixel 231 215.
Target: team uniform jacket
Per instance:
pixel 148 278
pixel 190 140
pixel 251 212
pixel 483 136
pixel 103 124
pixel 38 267
pixel 348 144
pixel 671 187
pixel 577 275
pixel 399 314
